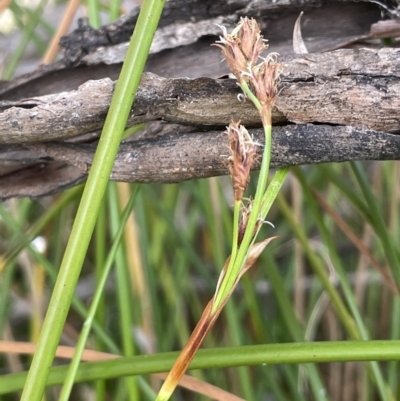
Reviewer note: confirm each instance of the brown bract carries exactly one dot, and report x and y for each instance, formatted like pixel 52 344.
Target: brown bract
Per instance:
pixel 245 211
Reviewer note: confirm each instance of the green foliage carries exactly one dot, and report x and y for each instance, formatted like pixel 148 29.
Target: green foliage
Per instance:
pixel 166 270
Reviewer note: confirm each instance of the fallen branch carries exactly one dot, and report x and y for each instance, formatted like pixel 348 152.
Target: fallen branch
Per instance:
pixel 51 167
pixel 346 87
pixel 185 33
pixel 356 92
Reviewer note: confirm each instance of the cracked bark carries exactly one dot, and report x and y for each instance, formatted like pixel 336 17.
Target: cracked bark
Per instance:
pixel 345 87
pixel 179 157
pixel 351 97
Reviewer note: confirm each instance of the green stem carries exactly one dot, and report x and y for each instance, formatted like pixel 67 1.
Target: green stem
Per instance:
pixel 236 222
pixel 273 190
pixel 360 330
pixel 26 38
pixel 380 226
pixel 80 346
pixel 124 296
pixel 94 13
pixel 100 239
pixel 235 237
pixel 82 229
pixel 114 10
pixel 33 231
pixel 316 264
pixel 293 325
pixel 250 95
pixel 303 352
pixel 235 265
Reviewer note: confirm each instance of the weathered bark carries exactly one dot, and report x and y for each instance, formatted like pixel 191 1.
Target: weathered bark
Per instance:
pixel 345 87
pixel 53 166
pixel 355 91
pixel 187 29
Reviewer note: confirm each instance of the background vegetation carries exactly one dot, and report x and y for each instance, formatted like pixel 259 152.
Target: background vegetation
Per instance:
pixel 333 274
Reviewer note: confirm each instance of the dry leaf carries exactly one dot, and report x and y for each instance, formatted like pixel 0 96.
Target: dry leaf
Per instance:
pixel 299 46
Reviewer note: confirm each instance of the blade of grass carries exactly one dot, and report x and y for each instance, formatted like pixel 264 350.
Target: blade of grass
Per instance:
pixel 114 10
pixel 183 240
pixel 152 278
pixel 26 37
pixel 137 273
pixel 123 292
pixel 77 304
pixel 82 311
pixel 316 263
pixel 273 379
pixel 292 323
pixel 100 234
pixel 62 29
pixel 94 191
pixel 351 235
pixel 235 328
pixel 21 16
pixel 347 189
pixel 94 13
pixel 5 298
pixel 216 237
pixel 392 181
pixel 69 379
pixel 379 224
pixel 30 233
pixel 360 331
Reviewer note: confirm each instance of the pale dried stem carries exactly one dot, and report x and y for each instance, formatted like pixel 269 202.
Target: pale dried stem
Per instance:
pixel 62 29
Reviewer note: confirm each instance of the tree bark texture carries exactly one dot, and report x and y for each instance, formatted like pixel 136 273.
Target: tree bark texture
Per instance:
pixel 334 106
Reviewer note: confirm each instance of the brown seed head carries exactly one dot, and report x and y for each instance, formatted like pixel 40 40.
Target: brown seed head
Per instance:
pixel 264 80
pixel 242 47
pixel 243 155
pixel 252 43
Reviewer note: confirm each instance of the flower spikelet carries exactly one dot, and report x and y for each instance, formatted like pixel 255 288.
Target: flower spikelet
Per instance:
pixel 243 155
pixel 265 79
pixel 242 47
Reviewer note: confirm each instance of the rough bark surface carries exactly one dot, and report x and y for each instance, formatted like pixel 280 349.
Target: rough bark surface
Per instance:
pixel 179 157
pixel 344 87
pixel 187 29
pixel 335 106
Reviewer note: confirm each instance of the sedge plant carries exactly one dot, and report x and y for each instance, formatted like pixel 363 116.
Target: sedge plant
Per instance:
pixel 242 49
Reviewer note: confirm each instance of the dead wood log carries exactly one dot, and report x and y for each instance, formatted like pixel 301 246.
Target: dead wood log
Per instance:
pixel 187 29
pixel 353 89
pixel 51 167
pixel 345 87
pixel 356 92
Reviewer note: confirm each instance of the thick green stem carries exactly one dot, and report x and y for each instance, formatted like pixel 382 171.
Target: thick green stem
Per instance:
pixel 236 222
pixel 301 352
pixel 235 237
pixel 90 204
pixel 80 346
